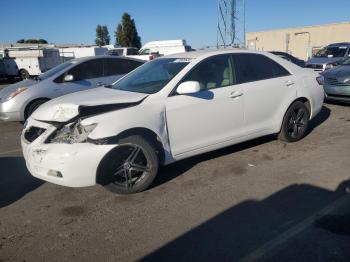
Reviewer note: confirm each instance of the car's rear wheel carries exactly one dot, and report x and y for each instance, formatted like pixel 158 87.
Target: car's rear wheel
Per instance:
pixel 131 167
pixel 295 122
pixel 24 74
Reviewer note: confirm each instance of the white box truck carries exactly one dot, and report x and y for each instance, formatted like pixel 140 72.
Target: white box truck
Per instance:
pixel 152 50
pixel 29 62
pixel 72 52
pixel 165 47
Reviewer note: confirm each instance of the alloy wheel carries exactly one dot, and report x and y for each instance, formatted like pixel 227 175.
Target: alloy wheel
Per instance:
pixel 130 166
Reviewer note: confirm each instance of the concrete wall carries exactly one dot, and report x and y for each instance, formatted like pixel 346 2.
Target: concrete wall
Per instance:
pixel 300 42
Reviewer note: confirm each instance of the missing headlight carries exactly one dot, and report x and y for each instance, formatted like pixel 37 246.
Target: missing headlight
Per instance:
pixel 71 133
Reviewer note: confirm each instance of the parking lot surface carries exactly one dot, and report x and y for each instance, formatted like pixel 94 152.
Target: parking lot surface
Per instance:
pixel 261 200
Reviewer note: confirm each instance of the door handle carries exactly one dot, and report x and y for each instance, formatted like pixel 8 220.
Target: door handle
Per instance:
pixel 289 83
pixel 236 94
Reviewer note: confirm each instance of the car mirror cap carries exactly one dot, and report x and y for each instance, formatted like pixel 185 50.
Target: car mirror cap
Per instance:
pixel 188 87
pixel 68 78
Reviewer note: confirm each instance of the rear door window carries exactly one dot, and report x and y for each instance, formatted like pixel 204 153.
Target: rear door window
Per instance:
pixel 119 66
pixel 87 70
pixel 255 67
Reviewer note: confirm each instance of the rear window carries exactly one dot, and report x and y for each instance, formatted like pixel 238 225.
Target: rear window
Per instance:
pixel 332 51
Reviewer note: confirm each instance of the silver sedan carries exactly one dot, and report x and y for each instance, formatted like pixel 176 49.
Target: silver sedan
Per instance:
pixel 20 100
pixel 337 82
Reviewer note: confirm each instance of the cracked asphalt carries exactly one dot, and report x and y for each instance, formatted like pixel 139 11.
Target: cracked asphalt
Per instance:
pixel 264 200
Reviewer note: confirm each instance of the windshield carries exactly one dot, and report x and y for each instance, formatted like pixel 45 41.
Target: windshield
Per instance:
pixel 334 51
pixel 55 70
pixel 151 77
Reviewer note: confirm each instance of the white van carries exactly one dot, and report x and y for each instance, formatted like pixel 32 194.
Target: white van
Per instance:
pixel 166 47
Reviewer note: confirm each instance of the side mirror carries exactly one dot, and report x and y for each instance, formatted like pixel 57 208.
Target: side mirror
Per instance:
pixel 188 87
pixel 68 78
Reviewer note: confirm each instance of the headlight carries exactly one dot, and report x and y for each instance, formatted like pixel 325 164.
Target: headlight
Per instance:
pixel 329 66
pixel 347 81
pixel 71 133
pixel 15 93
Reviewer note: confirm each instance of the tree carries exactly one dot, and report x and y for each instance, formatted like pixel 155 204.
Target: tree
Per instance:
pixel 42 41
pixel 32 41
pixel 106 36
pixel 102 35
pixel 126 34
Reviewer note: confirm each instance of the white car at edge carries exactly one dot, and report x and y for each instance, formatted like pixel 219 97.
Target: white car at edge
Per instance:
pixel 166 110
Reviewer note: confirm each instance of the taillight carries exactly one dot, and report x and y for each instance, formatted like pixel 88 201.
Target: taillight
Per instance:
pixel 320 80
pixel 151 57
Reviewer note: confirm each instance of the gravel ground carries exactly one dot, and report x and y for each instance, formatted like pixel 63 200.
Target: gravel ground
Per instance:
pixel 262 200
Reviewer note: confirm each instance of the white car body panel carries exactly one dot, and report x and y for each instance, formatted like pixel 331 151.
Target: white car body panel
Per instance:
pixel 185 125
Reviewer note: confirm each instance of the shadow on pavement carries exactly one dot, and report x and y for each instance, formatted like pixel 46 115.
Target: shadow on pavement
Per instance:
pixel 5 81
pixel 170 172
pixel 15 180
pixel 240 230
pixel 319 118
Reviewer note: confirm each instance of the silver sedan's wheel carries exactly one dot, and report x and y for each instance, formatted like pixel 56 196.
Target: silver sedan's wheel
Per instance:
pixel 132 166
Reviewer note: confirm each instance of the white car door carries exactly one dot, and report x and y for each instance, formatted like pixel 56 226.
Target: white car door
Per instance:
pixel 266 88
pixel 86 75
pixel 211 116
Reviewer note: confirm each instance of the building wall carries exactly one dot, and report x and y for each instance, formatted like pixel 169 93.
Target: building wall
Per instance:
pixel 300 42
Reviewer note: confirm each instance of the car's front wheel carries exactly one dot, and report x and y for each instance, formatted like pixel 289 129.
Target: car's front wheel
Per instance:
pixel 295 122
pixel 131 167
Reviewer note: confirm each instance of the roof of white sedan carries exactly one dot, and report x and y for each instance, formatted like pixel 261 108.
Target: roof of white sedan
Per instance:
pixel 209 52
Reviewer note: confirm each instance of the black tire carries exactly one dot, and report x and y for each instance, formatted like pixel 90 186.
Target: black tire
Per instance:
pixel 131 167
pixel 295 122
pixel 32 107
pixel 23 74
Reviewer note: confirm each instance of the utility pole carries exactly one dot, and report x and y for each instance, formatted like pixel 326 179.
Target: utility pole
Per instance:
pixel 231 23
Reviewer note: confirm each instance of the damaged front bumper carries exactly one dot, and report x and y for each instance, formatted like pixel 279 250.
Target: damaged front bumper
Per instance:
pixel 72 165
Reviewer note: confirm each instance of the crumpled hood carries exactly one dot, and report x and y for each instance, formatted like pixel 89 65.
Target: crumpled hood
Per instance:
pixel 5 92
pixel 94 101
pixel 322 60
pixel 338 72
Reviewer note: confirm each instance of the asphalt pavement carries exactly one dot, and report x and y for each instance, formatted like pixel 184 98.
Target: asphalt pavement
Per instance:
pixel 263 200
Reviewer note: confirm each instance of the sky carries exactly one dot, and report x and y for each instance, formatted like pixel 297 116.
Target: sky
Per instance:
pixel 74 21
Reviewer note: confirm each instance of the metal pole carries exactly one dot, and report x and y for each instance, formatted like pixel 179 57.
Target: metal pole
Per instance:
pixel 244 29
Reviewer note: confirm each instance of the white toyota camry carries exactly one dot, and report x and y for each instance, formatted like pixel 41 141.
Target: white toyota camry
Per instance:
pixel 166 110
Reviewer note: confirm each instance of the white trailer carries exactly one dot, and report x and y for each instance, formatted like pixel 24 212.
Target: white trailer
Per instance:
pixel 29 62
pixel 165 47
pixel 67 53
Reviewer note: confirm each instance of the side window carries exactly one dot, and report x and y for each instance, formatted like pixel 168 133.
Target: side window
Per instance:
pixel 278 70
pixel 112 67
pixel 132 51
pixel 87 70
pixel 119 66
pixel 252 67
pixel 212 73
pixel 145 52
